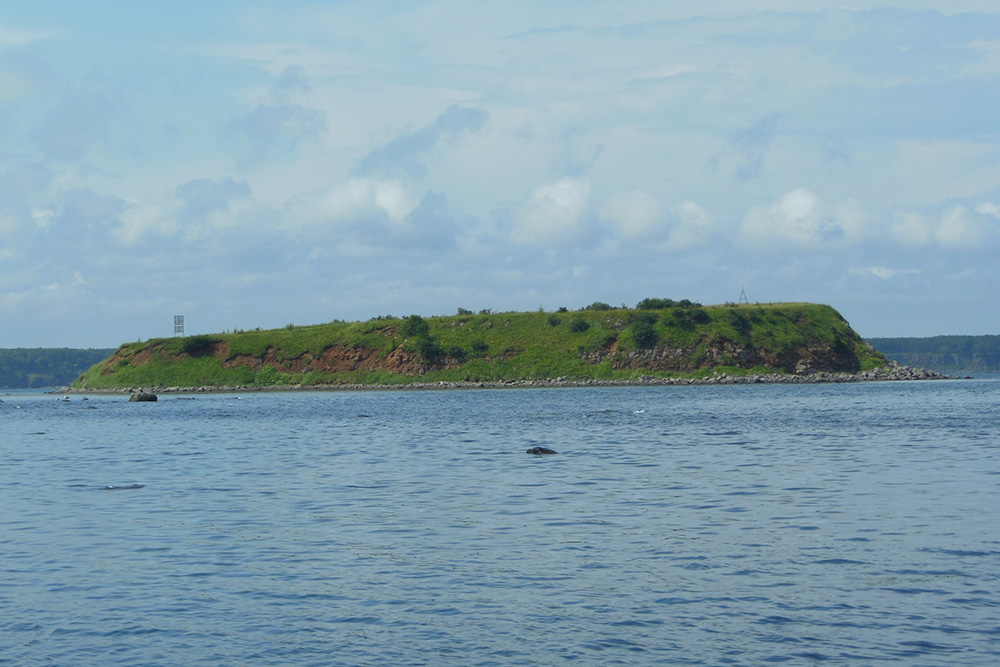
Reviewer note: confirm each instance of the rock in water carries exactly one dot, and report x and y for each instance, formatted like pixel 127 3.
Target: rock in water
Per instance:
pixel 142 397
pixel 541 450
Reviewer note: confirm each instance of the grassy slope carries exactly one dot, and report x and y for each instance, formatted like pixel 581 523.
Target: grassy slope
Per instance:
pixel 497 346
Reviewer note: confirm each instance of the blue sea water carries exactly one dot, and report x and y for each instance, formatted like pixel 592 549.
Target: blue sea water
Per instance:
pixel 708 525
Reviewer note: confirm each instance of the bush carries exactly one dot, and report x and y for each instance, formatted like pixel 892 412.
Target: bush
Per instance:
pixel 740 323
pixel 429 349
pixel 687 316
pixel 464 311
pixel 599 305
pixel 644 335
pixel 655 304
pixel 699 316
pixel 634 318
pixel 554 321
pixel 577 325
pixel 456 352
pixel 480 347
pixel 414 325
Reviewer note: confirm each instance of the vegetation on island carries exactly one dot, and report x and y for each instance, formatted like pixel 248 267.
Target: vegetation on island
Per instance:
pixel 946 354
pixel 35 367
pixel 657 338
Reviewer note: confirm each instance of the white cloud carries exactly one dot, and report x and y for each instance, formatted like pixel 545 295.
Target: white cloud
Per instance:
pixel 956 228
pixel 881 272
pixel 912 229
pixel 666 72
pixel 988 65
pixel 988 208
pixel 15 38
pixel 635 214
pixel 959 228
pixel 695 227
pixel 800 218
pixel 353 199
pixel 552 213
pixel 141 224
pixel 42 217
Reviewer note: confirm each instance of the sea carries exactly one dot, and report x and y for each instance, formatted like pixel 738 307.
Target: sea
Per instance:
pixel 838 524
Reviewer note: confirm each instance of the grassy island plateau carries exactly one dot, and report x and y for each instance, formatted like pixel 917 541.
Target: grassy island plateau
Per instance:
pixel 659 340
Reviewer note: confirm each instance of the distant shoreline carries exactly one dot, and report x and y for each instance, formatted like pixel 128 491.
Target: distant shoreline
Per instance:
pixel 890 374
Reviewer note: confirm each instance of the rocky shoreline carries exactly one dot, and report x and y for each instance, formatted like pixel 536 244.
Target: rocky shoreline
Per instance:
pixel 893 373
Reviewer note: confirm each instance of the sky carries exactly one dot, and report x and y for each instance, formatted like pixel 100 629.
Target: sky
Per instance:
pixel 257 164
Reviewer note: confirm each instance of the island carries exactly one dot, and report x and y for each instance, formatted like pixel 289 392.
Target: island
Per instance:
pixel 660 341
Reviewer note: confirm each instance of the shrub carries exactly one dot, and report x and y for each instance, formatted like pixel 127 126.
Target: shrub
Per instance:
pixel 686 317
pixel 634 318
pixel 414 325
pixel 599 305
pixel 480 347
pixel 554 321
pixel 429 349
pixel 464 311
pixel 562 309
pixel 644 335
pixel 699 316
pixel 740 323
pixel 456 352
pixel 578 325
pixel 655 304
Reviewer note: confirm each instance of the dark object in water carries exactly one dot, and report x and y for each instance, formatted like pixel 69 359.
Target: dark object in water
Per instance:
pixel 112 487
pixel 142 397
pixel 541 450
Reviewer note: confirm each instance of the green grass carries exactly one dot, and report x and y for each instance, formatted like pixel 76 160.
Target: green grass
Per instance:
pixel 494 347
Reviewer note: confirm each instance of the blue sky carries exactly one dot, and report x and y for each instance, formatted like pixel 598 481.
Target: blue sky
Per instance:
pixel 254 164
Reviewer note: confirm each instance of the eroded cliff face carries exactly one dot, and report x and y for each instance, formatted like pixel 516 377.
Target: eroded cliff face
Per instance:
pixel 340 359
pixel 805 359
pixel 334 359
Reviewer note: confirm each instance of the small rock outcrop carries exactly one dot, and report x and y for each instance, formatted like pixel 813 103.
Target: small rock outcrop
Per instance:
pixel 142 397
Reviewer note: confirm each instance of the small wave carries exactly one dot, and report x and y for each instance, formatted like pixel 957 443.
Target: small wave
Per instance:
pixel 921 647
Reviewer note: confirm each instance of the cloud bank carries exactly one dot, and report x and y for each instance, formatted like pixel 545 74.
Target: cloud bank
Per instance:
pixel 256 166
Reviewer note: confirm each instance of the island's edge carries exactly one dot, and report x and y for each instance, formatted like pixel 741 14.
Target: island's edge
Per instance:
pixel 885 374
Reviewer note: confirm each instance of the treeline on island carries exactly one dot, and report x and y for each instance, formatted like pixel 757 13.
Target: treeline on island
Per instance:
pixel 29 368
pixel 658 338
pixel 946 354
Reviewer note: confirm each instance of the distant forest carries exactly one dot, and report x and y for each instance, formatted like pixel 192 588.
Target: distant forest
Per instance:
pixel 947 354
pixel 31 368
